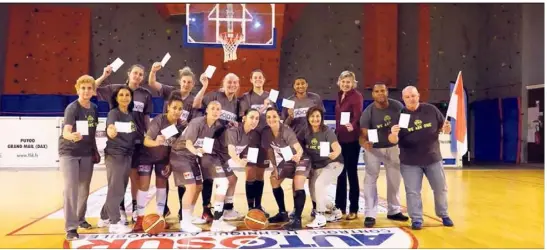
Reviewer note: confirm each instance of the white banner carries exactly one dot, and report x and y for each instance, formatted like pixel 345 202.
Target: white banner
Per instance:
pixel 29 142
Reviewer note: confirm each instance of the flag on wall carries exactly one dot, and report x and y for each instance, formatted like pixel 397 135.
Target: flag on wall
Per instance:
pixel 457 109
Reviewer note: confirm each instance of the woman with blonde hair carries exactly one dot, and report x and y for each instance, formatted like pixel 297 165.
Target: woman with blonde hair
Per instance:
pixel 227 97
pixel 348 102
pixel 77 153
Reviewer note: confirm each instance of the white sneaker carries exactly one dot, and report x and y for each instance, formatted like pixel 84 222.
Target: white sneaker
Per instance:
pixel 189 227
pixel 335 215
pixel 123 217
pixel 232 215
pixel 103 223
pixel 222 226
pixel 119 228
pixel 318 222
pixel 198 220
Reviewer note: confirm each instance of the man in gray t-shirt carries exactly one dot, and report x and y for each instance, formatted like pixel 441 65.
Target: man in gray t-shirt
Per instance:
pixel 378 118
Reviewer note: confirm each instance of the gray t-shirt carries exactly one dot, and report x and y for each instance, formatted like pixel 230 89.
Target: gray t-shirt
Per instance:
pixel 75 112
pixel 142 105
pixel 419 144
pixel 123 143
pixel 285 138
pixel 301 106
pixel 188 112
pixel 253 100
pixel 233 136
pixel 196 131
pixel 382 120
pixel 229 108
pixel 159 154
pixel 312 147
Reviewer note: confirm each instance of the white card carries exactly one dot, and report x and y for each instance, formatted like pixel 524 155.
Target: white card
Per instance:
pixel 169 131
pixel 252 155
pixel 344 118
pixel 210 71
pixel 82 127
pixel 287 104
pixel 324 149
pixel 165 59
pixel 404 119
pixel 123 127
pixel 208 145
pixel 373 135
pixel 287 153
pixel 116 64
pixel 273 95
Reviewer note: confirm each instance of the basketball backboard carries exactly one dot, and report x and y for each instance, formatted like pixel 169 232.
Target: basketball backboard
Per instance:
pixel 206 23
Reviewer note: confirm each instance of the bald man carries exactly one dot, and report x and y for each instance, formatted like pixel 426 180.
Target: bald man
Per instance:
pixel 420 154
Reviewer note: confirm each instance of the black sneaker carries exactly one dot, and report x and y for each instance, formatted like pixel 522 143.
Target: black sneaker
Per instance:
pixel 72 235
pixel 398 217
pixel 265 213
pixel 279 217
pixel 293 225
pixel 85 225
pixel 370 222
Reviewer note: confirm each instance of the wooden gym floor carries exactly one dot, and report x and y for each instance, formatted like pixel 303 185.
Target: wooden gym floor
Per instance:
pixel 496 208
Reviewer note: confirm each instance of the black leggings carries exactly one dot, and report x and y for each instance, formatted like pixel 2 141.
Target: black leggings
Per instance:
pixel 350 152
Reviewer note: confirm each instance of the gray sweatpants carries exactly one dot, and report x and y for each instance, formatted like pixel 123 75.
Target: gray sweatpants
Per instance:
pixel 117 174
pixel 373 158
pixel 77 172
pixel 412 176
pixel 320 180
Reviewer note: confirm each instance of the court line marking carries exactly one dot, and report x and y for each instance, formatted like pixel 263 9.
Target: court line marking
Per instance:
pixel 13 233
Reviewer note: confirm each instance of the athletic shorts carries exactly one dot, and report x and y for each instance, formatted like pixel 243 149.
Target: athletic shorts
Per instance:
pixel 139 148
pixel 211 167
pixel 185 170
pixel 146 170
pixel 288 169
pixel 262 160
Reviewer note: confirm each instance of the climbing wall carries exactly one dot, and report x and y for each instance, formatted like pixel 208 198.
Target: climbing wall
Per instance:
pixel 47 48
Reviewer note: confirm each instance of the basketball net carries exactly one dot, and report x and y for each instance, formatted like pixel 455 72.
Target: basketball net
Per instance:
pixel 230 41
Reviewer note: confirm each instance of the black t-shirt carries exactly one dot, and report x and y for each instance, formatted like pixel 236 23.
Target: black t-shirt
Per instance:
pixel 75 112
pixel 312 147
pixel 382 120
pixel 419 143
pixel 123 143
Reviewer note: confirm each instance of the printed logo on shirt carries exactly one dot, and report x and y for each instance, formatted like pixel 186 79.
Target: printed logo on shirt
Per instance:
pixel 184 115
pixel 418 125
pixel 219 169
pixel 300 112
pixel 258 107
pixel 313 144
pixel 198 143
pixel 189 175
pixel 300 168
pixel 227 116
pixel 387 122
pixel 138 106
pixel 91 121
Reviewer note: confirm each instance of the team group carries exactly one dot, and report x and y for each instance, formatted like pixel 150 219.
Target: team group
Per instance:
pixel 200 140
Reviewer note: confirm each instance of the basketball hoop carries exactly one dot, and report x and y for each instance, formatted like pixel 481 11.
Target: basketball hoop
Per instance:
pixel 230 41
